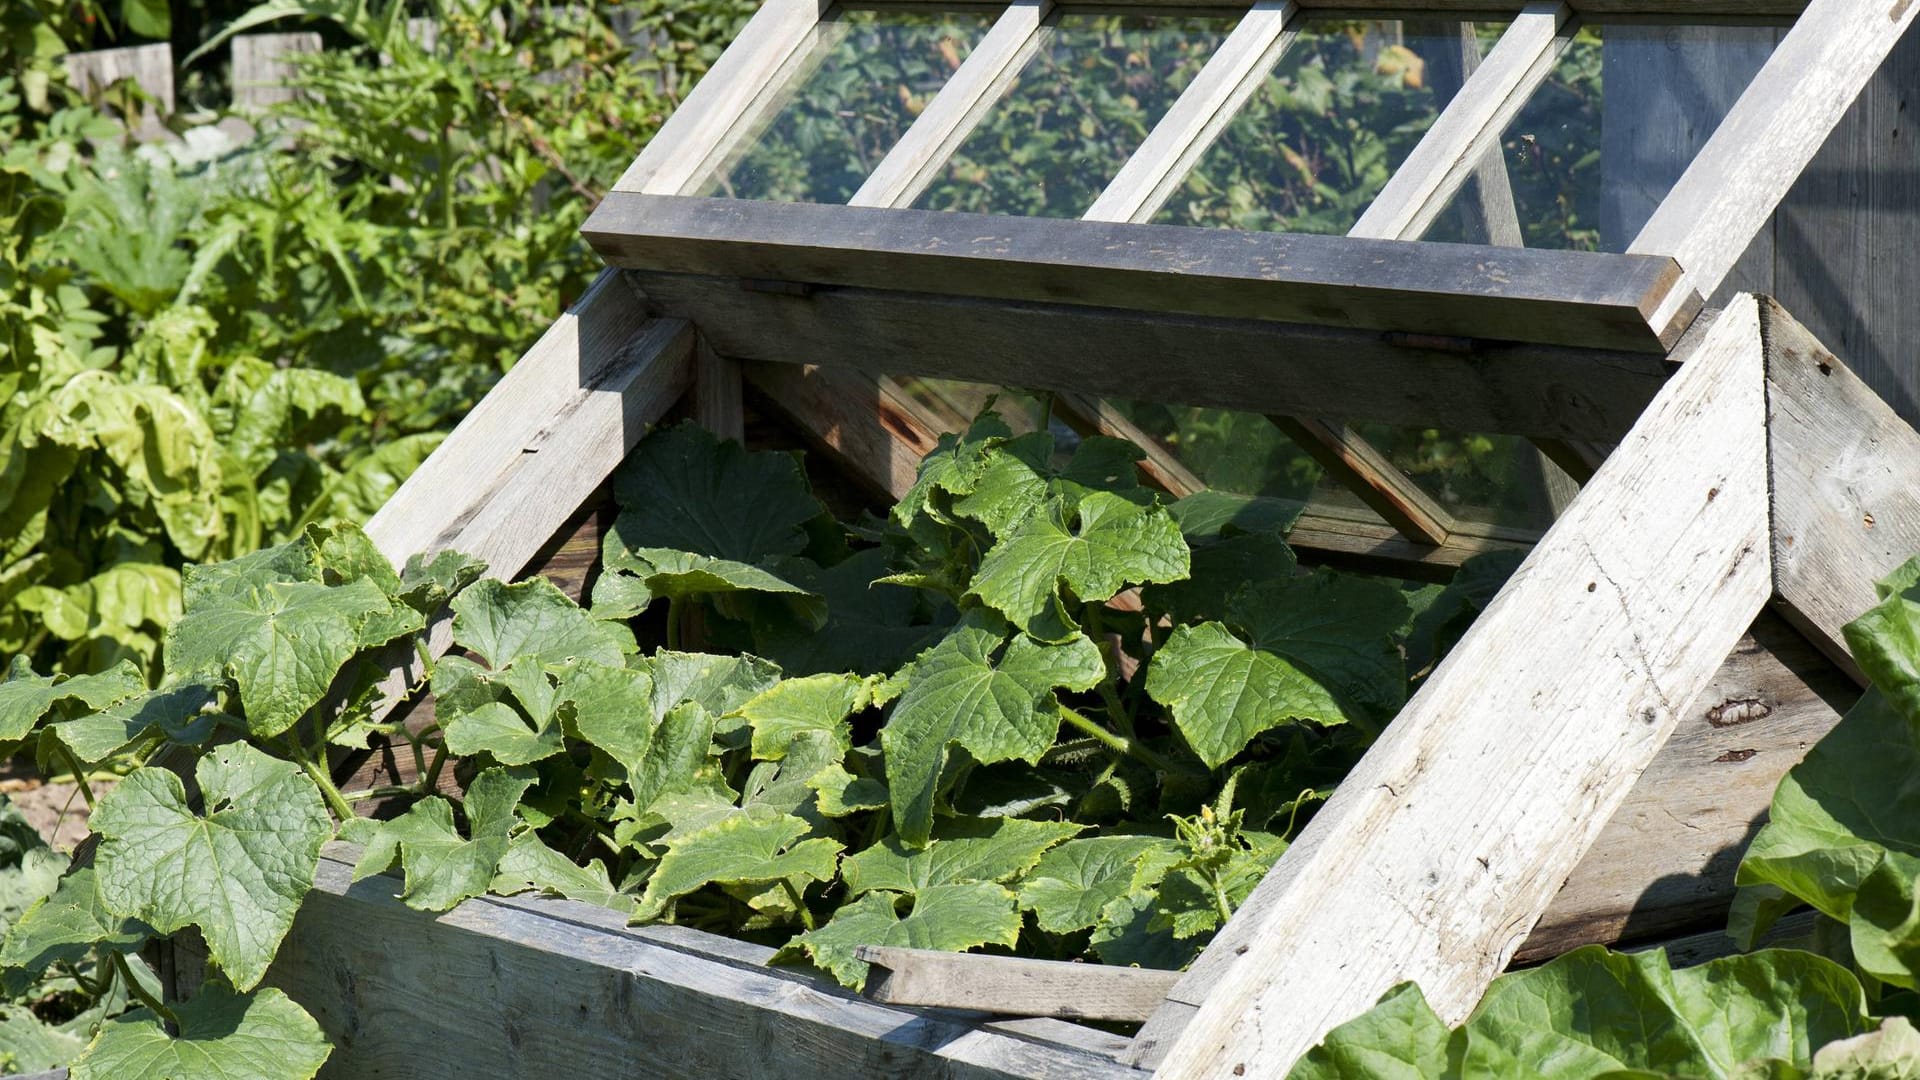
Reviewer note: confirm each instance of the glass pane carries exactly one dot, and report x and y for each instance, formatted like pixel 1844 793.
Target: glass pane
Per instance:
pixel 1081 106
pixel 1603 139
pixel 1345 105
pixel 1492 479
pixel 1238 452
pixel 871 74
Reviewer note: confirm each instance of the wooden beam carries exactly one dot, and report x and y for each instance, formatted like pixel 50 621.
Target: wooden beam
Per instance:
pixel 1550 297
pixel 990 67
pixel 1419 868
pixel 1013 986
pixel 680 155
pixel 1292 369
pixel 1459 142
pixel 263 67
pixel 1730 191
pixel 1846 485
pixel 716 393
pixel 1361 468
pixel 554 987
pixel 1203 110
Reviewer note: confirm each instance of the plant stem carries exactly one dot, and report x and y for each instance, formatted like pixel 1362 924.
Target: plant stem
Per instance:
pixel 673 625
pixel 1132 748
pixel 337 802
pixel 426 658
pixel 384 791
pixel 79 774
pixel 140 992
pixel 431 781
pixel 799 901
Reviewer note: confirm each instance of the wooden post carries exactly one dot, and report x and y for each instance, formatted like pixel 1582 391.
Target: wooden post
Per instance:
pixel 1846 485
pixel 263 67
pixel 150 67
pixel 1419 867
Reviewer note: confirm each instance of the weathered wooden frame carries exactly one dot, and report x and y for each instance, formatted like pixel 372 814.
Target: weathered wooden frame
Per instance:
pixel 1761 472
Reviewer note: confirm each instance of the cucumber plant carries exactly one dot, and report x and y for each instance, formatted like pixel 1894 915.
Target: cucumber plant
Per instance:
pixel 1038 707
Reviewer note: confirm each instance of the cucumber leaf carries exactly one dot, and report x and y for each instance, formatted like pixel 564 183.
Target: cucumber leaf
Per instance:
pixel 759 846
pixel 223 1036
pixel 1319 648
pixel 1113 543
pixel 964 851
pixel 238 872
pixel 441 868
pixel 952 917
pixel 989 695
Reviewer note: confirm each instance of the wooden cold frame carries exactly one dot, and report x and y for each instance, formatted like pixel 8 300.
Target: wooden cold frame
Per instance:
pixel 766 284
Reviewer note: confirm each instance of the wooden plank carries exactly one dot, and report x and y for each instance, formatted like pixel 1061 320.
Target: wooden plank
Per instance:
pixel 1730 191
pixel 1552 297
pixel 1490 213
pixel 677 157
pixel 568 365
pixel 1012 985
pixel 1847 242
pixel 1291 369
pixel 263 67
pixel 150 67
pixel 525 987
pixel 1565 688
pixel 1459 142
pixel 1846 485
pixel 716 393
pixel 1202 111
pixel 1358 466
pixel 990 67
pixel 1665 861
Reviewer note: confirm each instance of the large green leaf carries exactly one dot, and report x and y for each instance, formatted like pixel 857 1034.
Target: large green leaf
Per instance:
pixel 759 846
pixel 1072 884
pixel 683 489
pixel 25 697
pixel 979 691
pixel 633 577
pixel 530 864
pixel 967 850
pixel 178 712
pixel 441 868
pixel 238 872
pixel 64 928
pixel 1592 1013
pixel 1114 543
pixel 281 643
pixel 870 628
pixel 812 703
pixel 1838 812
pixel 952 917
pixel 1019 481
pixel 1318 648
pixel 953 467
pixel 532 622
pixel 222 1036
